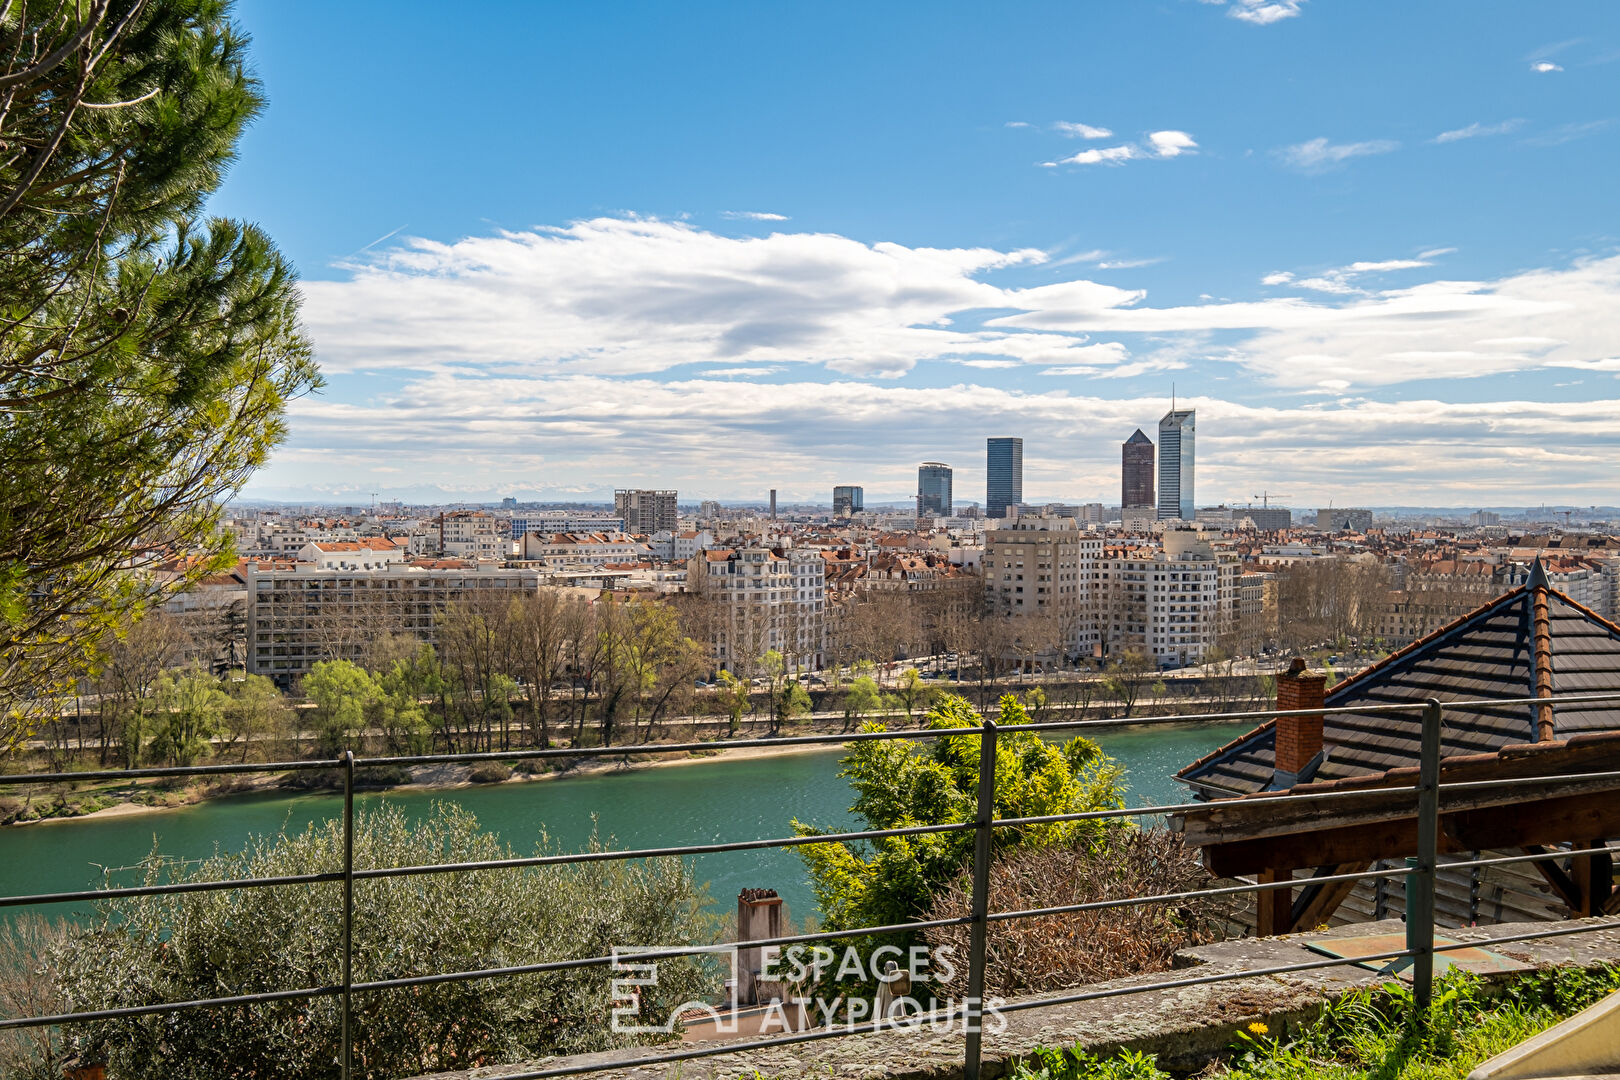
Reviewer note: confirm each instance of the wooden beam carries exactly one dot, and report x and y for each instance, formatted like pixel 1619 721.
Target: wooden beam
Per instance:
pixel 1318 901
pixel 1273 907
pixel 1568 890
pixel 1228 820
pixel 1543 821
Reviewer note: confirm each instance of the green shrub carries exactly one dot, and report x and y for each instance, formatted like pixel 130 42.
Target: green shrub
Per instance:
pixel 145 950
pixel 491 772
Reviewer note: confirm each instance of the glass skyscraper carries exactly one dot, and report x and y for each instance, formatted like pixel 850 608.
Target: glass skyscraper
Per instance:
pixel 934 490
pixel 1004 476
pixel 1176 433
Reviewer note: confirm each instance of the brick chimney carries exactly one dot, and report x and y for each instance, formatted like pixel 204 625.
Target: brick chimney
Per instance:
pixel 1299 738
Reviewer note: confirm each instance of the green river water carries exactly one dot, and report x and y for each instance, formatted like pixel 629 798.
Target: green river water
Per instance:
pixel 705 802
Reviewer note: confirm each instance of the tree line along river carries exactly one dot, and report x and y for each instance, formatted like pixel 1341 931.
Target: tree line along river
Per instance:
pixel 703 802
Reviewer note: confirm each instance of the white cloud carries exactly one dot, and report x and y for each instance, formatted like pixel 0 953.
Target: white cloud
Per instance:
pixel 1476 130
pixel 1564 133
pixel 1435 253
pixel 752 215
pixel 1264 12
pixel 1158 144
pixel 1095 255
pixel 1103 155
pixel 1172 143
pixel 1543 67
pixel 617 298
pixel 1017 123
pixel 1316 155
pixel 1129 264
pixel 1083 131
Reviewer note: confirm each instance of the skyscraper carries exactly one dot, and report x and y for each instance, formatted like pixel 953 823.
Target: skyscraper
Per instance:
pixel 848 499
pixel 1136 471
pixel 934 490
pixel 1176 432
pixel 645 511
pixel 1004 476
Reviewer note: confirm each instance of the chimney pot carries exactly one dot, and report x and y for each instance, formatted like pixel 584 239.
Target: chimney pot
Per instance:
pixel 1299 738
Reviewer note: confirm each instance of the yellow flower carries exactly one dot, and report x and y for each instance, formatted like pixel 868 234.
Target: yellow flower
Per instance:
pixel 1258 1028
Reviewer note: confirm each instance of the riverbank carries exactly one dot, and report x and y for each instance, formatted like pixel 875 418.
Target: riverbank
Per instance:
pixel 151 798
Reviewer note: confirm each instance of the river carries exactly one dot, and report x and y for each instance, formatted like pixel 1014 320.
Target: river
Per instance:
pixel 704 802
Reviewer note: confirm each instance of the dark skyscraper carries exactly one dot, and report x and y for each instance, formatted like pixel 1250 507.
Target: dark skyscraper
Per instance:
pixel 934 490
pixel 1004 476
pixel 1136 471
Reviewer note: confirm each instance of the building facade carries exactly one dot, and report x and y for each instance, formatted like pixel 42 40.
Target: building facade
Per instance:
pixel 934 489
pixel 1136 471
pixel 848 499
pixel 1344 519
pixel 1003 475
pixel 551 522
pixel 764 599
pixel 1041 566
pixel 302 615
pixel 646 511
pixel 1176 439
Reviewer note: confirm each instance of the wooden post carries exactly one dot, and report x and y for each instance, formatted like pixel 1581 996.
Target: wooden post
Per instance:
pixel 1274 908
pixel 1593 878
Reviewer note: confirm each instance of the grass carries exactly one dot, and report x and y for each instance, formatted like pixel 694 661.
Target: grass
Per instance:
pixel 1370 1034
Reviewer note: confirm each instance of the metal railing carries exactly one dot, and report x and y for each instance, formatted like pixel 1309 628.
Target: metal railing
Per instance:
pixel 1420 877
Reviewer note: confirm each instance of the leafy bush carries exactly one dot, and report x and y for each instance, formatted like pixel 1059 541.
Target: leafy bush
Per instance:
pixel 491 772
pixel 145 950
pixel 1059 951
pixel 899 783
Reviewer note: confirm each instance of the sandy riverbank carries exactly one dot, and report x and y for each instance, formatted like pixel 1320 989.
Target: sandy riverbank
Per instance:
pixel 450 776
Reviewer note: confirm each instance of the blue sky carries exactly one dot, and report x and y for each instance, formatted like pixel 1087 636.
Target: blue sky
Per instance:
pixel 727 247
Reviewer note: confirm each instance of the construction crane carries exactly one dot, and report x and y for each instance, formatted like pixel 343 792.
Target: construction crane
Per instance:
pixel 1265 498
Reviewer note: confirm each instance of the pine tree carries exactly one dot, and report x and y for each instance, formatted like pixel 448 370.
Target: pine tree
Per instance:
pixel 147 352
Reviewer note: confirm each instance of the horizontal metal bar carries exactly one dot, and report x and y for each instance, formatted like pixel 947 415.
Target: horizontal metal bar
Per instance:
pixel 1195 894
pixel 661 954
pixel 167 890
pixel 1201 980
pixel 1179 808
pixel 1555 853
pixel 1514 781
pixel 659 853
pixel 783 740
pixel 1568 931
pixel 167 1007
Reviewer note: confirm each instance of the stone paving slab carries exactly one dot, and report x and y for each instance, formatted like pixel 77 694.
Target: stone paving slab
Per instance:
pixel 1186 1026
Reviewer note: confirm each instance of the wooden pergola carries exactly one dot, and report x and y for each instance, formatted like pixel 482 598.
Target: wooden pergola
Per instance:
pixel 1275 838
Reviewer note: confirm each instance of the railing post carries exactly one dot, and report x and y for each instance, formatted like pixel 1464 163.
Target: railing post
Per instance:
pixel 346 1052
pixel 973 1006
pixel 1420 901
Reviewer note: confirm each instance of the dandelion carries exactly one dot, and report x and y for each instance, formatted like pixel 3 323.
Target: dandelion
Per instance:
pixel 1258 1028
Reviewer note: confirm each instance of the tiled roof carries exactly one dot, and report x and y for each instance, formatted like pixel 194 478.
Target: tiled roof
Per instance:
pixel 1487 654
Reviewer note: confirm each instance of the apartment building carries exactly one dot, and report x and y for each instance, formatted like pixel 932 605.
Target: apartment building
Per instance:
pixel 471 534
pixel 579 551
pixel 646 511
pixel 1172 604
pixel 765 599
pixel 309 611
pixel 1044 566
pixel 552 522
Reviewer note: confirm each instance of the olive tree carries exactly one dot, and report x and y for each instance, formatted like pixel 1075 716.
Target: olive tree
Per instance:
pixel 149 949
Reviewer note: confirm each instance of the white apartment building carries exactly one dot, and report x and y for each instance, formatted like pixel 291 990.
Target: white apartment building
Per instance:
pixel 300 616
pixel 373 553
pixel 471 534
pixel 1172 604
pixel 552 522
pixel 767 600
pixel 580 551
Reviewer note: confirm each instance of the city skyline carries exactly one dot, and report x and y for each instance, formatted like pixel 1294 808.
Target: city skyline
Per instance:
pixel 1406 295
